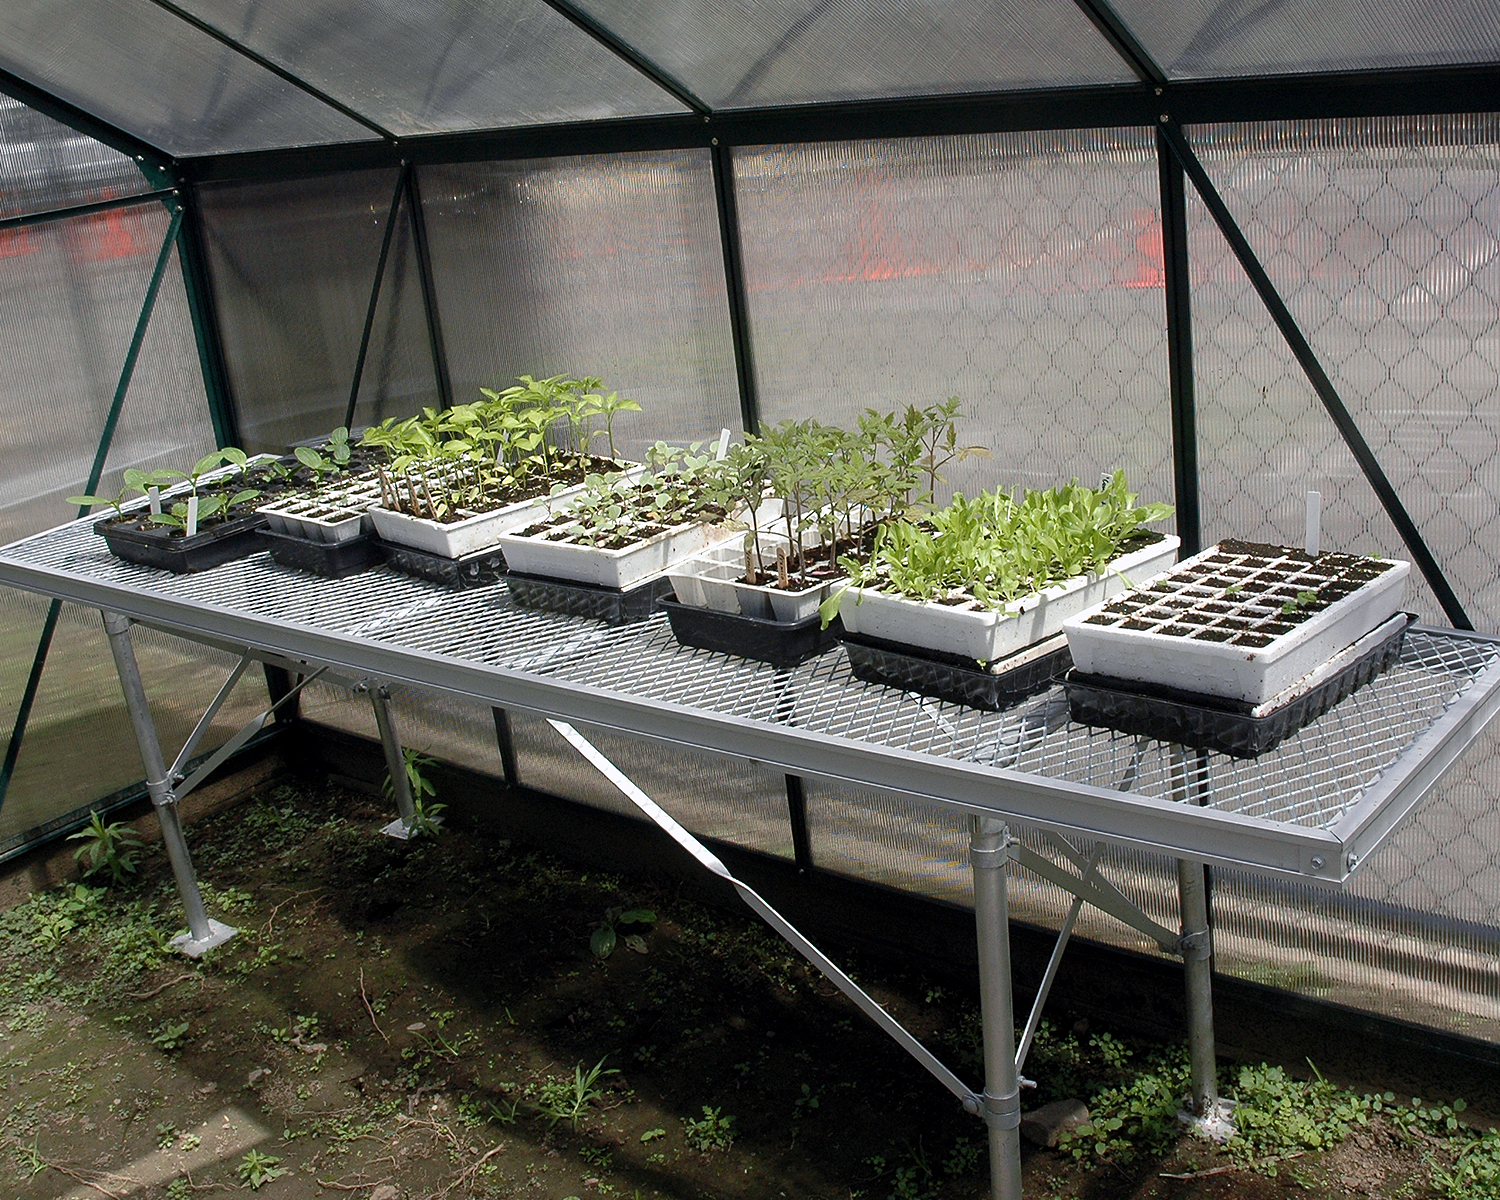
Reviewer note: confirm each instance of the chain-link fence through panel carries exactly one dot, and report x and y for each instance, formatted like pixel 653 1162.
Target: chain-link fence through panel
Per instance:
pixel 605 265
pixel 1021 272
pixel 1380 236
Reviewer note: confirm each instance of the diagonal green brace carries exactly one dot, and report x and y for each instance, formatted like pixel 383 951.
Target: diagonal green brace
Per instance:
pixel 106 437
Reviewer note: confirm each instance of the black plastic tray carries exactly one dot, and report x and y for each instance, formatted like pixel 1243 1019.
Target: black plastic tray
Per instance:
pixel 774 642
pixel 334 560
pixel 1210 723
pixel 953 677
pixel 609 605
pixel 157 546
pixel 479 569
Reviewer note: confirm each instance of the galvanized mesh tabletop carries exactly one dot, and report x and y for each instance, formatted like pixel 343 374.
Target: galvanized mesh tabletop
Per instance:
pixel 1314 807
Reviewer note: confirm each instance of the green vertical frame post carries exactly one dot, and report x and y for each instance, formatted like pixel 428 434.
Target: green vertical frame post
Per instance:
pixel 192 253
pixel 96 472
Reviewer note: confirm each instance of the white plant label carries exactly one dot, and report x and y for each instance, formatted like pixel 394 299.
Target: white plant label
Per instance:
pixel 1314 521
pixel 723 445
pixel 154 493
pixel 192 516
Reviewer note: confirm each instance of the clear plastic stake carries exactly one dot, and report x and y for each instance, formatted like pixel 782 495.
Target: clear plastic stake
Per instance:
pixel 1314 521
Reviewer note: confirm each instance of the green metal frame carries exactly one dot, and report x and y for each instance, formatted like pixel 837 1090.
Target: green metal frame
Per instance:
pixel 96 471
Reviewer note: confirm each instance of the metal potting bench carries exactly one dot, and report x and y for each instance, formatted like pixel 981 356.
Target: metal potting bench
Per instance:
pixel 1313 809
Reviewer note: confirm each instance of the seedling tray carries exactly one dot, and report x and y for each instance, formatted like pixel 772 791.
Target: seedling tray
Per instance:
pixel 782 644
pixel 1230 726
pixel 334 560
pixel 157 546
pixel 610 605
pixel 993 687
pixel 479 569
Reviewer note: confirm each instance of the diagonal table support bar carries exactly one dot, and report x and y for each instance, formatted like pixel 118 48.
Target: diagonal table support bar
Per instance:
pixel 710 861
pixel 207 720
pixel 1034 1019
pixel 203 933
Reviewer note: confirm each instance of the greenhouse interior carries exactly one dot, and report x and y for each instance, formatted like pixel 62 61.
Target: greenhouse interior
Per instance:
pixel 1239 253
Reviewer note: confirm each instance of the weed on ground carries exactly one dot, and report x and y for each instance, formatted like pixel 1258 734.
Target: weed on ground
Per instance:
pixel 459 1016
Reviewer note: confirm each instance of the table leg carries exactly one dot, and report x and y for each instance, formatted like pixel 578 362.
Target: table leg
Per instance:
pixel 1197 958
pixel 395 764
pixel 203 933
pixel 989 852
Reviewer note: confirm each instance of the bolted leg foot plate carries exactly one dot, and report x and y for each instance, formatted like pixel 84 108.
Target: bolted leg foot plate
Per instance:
pixel 218 934
pixel 1216 1125
pixel 400 830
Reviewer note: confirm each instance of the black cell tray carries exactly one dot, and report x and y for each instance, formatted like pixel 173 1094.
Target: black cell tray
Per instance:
pixel 774 642
pixel 609 605
pixel 157 546
pixel 479 569
pixel 334 560
pixel 1211 723
pixel 953 677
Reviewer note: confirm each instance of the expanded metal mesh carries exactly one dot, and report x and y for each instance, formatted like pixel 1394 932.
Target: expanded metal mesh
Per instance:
pixel 1311 779
pixel 1021 272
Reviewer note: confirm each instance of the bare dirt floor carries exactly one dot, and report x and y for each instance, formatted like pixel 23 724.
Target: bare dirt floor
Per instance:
pixel 435 1018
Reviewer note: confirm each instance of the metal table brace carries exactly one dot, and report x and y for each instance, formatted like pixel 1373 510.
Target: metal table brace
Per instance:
pixel 1374 759
pixel 991 848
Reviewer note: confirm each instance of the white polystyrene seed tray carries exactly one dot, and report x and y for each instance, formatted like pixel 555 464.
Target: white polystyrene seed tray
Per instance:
pixel 535 554
pixel 985 634
pixel 714 579
pixel 1231 669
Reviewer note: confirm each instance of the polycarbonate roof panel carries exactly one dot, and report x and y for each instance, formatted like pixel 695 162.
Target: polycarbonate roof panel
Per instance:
pixel 46 165
pixel 430 66
pixel 1204 39
pixel 743 53
pixel 155 76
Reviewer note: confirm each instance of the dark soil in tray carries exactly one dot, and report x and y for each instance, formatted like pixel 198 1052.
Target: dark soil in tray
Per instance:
pixel 416 500
pixel 138 541
pixel 782 644
pixel 1245 593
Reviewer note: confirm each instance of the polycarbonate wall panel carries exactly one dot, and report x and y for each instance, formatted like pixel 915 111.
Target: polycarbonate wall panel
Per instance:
pixel 79 744
pixel 734 55
pixel 1380 237
pixel 293 265
pixel 1202 39
pixel 728 798
pixel 886 838
pixel 69 301
pixel 599 265
pixel 156 76
pixel 1019 272
pixel 46 165
pixel 426 66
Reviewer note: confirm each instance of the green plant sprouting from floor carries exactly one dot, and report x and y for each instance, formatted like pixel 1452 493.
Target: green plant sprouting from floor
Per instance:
pixel 114 849
pixel 714 1130
pixel 425 810
pixel 562 1099
pixel 606 936
pixel 256 1169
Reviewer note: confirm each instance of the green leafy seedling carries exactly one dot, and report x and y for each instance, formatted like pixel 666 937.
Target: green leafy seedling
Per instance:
pixel 114 848
pixel 605 938
pixel 257 1169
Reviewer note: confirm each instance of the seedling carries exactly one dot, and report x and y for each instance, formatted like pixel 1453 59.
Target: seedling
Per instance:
pixel 114 848
pixel 257 1169
pixel 604 939
pixel 1304 599
pixel 562 1099
pixel 713 1131
pixel 131 481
